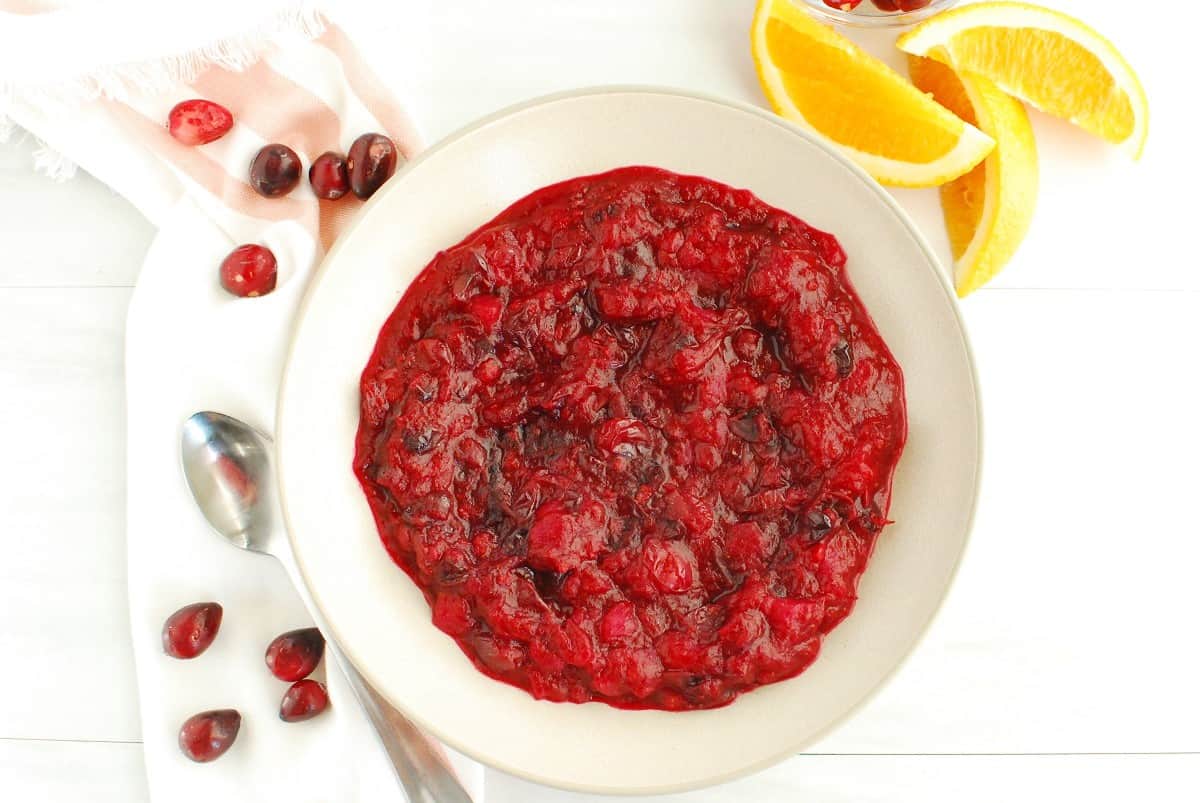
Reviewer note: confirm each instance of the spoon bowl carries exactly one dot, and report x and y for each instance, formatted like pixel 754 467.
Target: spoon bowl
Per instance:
pixel 227 465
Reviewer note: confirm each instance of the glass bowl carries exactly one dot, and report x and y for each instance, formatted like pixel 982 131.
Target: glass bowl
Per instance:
pixel 866 15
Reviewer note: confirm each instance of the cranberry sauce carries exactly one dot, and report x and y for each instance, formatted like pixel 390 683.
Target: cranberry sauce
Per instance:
pixel 634 439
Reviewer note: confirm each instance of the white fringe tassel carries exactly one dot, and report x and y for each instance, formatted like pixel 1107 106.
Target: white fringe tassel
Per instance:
pixel 52 164
pixel 121 81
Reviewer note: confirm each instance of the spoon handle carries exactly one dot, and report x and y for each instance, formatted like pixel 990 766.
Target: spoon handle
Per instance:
pixel 418 763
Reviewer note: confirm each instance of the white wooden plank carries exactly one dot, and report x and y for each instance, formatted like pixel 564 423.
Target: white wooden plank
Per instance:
pixel 1088 454
pixel 64 623
pixel 1062 634
pixel 73 233
pixel 69 772
pixel 924 779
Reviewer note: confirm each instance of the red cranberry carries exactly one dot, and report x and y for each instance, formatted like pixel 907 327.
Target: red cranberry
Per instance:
pixel 205 737
pixel 304 700
pixel 191 629
pixel 843 5
pixel 196 122
pixel 275 171
pixel 249 270
pixel 371 162
pixel 294 655
pixel 329 177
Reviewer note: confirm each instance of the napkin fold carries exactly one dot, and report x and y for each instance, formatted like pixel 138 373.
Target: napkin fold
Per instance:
pixel 94 83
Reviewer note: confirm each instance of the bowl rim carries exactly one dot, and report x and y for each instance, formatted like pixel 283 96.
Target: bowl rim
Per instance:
pixel 933 263
pixel 876 20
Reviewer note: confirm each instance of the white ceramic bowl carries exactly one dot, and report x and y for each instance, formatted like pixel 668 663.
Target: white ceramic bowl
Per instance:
pixel 379 615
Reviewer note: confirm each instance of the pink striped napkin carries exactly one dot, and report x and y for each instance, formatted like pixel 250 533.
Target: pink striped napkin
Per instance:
pixel 96 91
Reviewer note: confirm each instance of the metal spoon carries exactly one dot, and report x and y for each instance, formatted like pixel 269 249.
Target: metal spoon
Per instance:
pixel 227 465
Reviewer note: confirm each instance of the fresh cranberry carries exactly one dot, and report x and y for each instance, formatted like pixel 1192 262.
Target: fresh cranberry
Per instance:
pixel 843 5
pixel 198 121
pixel 207 736
pixel 371 162
pixel 191 629
pixel 304 700
pixel 249 271
pixel 294 655
pixel 329 177
pixel 275 171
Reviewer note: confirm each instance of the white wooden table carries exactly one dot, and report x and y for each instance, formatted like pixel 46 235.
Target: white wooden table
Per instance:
pixel 1067 659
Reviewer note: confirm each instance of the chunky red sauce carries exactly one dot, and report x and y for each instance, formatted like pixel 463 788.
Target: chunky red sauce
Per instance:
pixel 634 439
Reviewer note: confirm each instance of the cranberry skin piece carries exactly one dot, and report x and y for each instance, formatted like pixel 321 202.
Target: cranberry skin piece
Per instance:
pixel 843 5
pixel 191 629
pixel 304 700
pixel 294 655
pixel 198 121
pixel 207 736
pixel 371 162
pixel 275 171
pixel 249 271
pixel 328 175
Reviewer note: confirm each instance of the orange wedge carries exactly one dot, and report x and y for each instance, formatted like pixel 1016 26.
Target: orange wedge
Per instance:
pixel 989 209
pixel 822 81
pixel 1047 59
